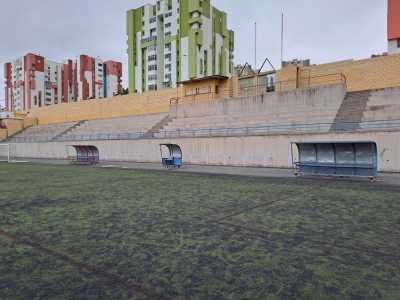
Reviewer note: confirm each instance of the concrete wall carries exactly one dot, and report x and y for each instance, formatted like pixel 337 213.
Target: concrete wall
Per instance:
pixel 383 105
pixel 322 102
pixel 262 151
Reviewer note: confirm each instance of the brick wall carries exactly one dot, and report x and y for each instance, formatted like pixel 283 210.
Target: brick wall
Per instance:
pixel 374 73
pixel 134 104
pixel 3 134
pixel 119 106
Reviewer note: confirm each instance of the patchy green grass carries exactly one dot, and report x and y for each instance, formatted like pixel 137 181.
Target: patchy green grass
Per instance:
pixel 69 232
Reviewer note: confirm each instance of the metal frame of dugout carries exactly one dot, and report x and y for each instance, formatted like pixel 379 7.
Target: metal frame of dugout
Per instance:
pixel 344 159
pixel 172 157
pixel 85 154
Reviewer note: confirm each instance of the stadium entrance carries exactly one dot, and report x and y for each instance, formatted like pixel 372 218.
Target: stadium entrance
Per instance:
pixel 338 159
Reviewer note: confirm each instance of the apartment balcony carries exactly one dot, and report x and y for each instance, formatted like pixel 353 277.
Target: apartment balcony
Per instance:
pixel 149 39
pixel 196 20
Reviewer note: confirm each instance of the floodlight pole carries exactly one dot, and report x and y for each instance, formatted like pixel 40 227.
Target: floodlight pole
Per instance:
pixel 282 24
pixel 255 45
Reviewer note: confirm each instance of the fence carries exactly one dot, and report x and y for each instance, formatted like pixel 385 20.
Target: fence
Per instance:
pixel 283 129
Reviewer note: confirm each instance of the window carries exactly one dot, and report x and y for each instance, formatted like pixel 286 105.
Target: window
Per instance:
pixel 152 68
pixel 270 83
pixel 168 46
pixel 152 32
pixel 152 87
pixel 152 77
pixel 168 67
pixel 152 57
pixel 168 33
pixel 153 20
pixel 168 56
pixel 149 39
pixel 398 43
pixel 167 25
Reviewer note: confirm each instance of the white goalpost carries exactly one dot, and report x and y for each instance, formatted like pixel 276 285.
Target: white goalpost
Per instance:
pixel 6 153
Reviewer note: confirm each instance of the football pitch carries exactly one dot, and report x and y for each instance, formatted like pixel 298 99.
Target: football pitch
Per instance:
pixel 71 232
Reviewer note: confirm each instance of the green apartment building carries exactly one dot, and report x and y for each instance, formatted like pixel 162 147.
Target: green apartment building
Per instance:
pixel 176 41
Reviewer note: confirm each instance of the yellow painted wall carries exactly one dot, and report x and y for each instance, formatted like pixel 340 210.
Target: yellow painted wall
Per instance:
pixel 286 78
pixel 130 105
pixel 120 106
pixel 28 122
pixel 3 134
pixel 15 125
pixel 374 73
pixel 208 90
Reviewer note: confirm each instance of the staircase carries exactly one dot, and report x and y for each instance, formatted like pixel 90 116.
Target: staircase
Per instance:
pixel 158 127
pixel 65 132
pixel 351 112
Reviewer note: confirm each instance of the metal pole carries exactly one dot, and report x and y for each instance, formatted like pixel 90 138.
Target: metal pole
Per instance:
pixel 255 45
pixel 255 56
pixel 282 23
pixel 8 153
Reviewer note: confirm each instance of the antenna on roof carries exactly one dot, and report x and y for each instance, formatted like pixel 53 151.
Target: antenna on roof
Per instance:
pixel 244 67
pixel 262 66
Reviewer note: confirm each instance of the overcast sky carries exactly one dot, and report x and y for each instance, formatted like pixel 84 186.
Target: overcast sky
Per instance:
pixel 322 30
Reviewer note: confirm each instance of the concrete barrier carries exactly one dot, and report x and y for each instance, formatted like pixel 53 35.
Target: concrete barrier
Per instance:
pixel 324 100
pixel 383 105
pixel 260 151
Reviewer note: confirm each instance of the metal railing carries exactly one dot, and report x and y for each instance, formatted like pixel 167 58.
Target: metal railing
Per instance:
pixel 265 129
pixel 292 128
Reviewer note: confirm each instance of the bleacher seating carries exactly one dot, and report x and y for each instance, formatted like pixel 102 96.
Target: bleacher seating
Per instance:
pixel 317 110
pixel 303 110
pixel 376 109
pixel 383 105
pixel 42 133
pixel 129 127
